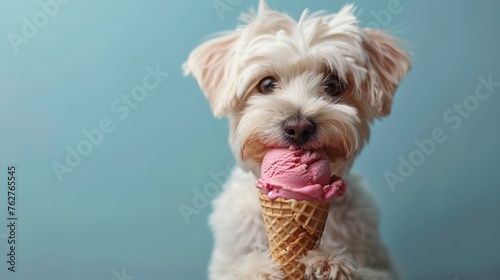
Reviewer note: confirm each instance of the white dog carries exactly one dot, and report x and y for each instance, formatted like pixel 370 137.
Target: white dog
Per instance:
pixel 315 83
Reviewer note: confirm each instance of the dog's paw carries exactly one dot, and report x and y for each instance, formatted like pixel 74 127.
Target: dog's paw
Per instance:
pixel 258 265
pixel 329 264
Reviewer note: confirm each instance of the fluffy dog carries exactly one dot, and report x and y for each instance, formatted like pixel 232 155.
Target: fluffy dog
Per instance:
pixel 316 84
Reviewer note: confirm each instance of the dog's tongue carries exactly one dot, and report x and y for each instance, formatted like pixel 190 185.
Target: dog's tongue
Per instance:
pixel 298 174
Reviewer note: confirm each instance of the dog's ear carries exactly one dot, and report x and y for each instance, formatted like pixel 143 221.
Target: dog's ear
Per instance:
pixel 387 65
pixel 211 64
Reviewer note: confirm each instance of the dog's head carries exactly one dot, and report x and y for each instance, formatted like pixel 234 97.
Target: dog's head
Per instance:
pixel 315 83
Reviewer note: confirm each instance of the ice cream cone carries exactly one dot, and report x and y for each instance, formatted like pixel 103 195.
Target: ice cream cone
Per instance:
pixel 293 228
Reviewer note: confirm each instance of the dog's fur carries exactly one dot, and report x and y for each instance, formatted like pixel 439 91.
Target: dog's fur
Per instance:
pixel 299 55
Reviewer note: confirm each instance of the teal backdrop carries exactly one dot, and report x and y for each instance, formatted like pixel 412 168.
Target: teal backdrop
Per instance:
pixel 112 144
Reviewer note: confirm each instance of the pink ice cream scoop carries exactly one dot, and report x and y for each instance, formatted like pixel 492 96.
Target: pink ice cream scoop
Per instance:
pixel 298 174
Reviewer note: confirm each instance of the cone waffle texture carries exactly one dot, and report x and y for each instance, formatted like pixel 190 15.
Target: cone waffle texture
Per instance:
pixel 293 228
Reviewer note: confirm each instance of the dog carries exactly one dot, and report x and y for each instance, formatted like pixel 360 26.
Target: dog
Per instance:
pixel 316 83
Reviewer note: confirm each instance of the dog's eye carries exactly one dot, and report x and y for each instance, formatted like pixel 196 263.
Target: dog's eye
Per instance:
pixel 334 86
pixel 267 85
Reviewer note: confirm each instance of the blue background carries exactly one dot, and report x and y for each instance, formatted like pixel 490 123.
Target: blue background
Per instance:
pixel 119 208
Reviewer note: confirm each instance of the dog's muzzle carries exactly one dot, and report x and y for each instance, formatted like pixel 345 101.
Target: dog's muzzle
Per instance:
pixel 299 130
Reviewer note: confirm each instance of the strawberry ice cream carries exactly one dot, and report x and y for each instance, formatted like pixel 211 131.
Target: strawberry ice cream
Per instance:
pixel 298 174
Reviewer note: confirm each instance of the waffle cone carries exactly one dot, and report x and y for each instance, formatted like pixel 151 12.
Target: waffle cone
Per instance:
pixel 293 228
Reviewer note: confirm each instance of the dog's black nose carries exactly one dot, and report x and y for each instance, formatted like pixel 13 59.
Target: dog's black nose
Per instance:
pixel 299 130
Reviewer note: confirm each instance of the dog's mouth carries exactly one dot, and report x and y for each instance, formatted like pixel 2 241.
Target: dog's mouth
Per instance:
pixel 338 143
pixel 255 150
pixel 339 153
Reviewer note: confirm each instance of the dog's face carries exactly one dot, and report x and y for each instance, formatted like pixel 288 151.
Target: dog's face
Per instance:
pixel 316 83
